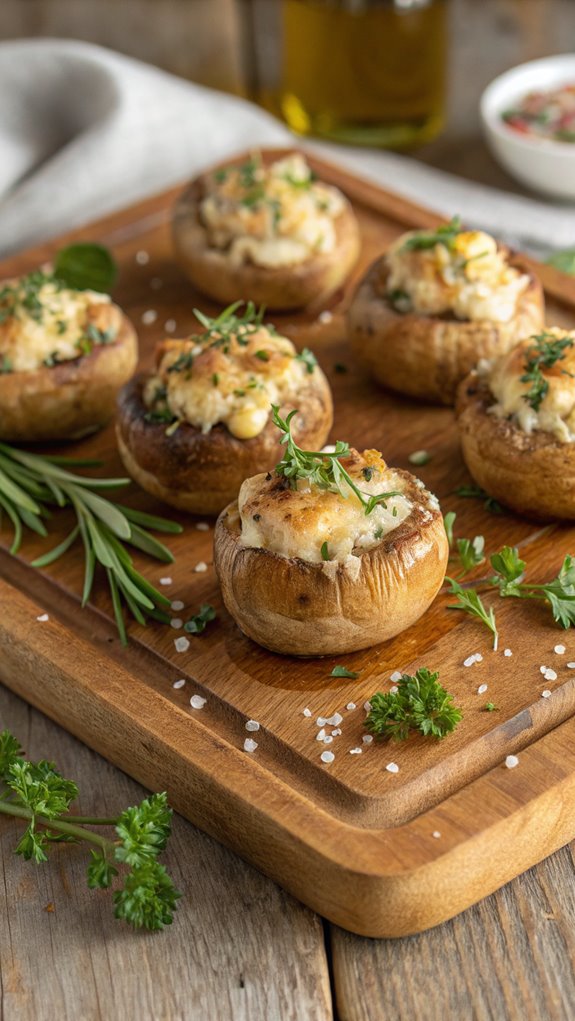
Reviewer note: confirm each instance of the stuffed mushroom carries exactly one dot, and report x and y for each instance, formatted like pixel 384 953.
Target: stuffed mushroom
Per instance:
pixel 436 303
pixel 194 428
pixel 64 354
pixel 329 553
pixel 516 418
pixel 267 230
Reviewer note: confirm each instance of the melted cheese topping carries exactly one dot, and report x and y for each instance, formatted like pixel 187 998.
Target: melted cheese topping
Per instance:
pixel 556 412
pixel 297 522
pixel 42 323
pixel 470 277
pixel 270 216
pixel 233 380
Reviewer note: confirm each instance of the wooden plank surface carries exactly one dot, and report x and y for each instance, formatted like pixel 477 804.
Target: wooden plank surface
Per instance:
pixel 240 947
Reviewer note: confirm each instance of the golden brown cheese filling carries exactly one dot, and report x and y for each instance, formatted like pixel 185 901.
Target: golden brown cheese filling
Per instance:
pixel 232 378
pixel 534 384
pixel 276 215
pixel 43 323
pixel 319 525
pixel 449 270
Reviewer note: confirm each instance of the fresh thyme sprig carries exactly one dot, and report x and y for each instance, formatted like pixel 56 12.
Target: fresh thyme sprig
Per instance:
pixel 444 235
pixel 323 470
pixel 221 328
pixel 31 485
pixel 419 704
pixel 38 795
pixel 470 602
pixel 545 351
pixel 559 592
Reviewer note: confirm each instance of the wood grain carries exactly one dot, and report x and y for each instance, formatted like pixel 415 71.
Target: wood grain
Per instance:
pixel 365 871
pixel 509 958
pixel 239 947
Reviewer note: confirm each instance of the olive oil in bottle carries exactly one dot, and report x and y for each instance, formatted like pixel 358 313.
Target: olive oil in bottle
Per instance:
pixel 365 72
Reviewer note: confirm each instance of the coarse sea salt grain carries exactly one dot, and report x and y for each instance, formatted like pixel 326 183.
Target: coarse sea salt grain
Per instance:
pixel 328 739
pixel 482 689
pixel 142 258
pixel 197 702
pixel 202 526
pixel 307 712
pixel 170 325
pixel 180 683
pixel 335 720
pixel 355 751
pixel 43 617
pixel 201 567
pixel 396 675
pixel 393 689
pixel 336 732
pixel 507 652
pixel 392 767
pixel 511 761
pixel 327 757
pixel 571 666
pixel 165 581
pixel 470 660
pixel 546 693
pixel 176 623
pixel 367 706
pixel 542 669
pixel 560 650
pixel 436 834
pixel 321 721
pixel 320 735
pixel 367 739
pixel 149 316
pixel 326 316
pixel 350 706
pixel 252 725
pixel 177 604
pixel 550 675
pixel 478 657
pixel 250 745
pixel 182 644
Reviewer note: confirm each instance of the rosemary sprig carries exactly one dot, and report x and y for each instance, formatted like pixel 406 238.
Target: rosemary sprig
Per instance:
pixel 545 351
pixel 31 485
pixel 323 470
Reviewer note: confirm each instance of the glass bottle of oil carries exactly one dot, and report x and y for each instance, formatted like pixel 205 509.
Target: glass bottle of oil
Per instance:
pixel 365 72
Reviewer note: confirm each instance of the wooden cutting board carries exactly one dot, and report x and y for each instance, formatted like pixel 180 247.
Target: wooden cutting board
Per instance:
pixel 381 853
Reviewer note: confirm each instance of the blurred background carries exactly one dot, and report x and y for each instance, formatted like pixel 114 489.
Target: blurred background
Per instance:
pixel 428 59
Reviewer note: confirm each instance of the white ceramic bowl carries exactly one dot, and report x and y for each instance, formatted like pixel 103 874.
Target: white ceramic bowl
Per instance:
pixel 540 163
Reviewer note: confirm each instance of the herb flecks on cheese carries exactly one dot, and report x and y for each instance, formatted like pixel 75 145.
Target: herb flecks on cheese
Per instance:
pixel 453 271
pixel 275 215
pixel 231 374
pixel 300 521
pixel 45 323
pixel 534 384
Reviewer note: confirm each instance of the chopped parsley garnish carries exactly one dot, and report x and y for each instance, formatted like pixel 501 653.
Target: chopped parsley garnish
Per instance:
pixel 229 323
pixel 98 336
pixel 264 356
pixel 419 704
pixel 323 470
pixel 215 379
pixel 5 365
pixel 444 235
pixel 449 521
pixel 400 300
pixel 325 551
pixel 61 326
pixel 490 707
pixel 183 363
pixel 308 358
pixel 52 360
pixel 197 624
pixel 342 671
pixel 544 352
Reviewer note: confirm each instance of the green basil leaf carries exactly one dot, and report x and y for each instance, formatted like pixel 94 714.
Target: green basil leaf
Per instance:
pixel 86 267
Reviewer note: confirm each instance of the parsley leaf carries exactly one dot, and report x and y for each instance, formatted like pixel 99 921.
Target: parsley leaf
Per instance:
pixel 559 592
pixel 197 624
pixel 308 358
pixel 419 704
pixel 342 671
pixel 444 235
pixel 84 266
pixel 470 602
pixel 545 351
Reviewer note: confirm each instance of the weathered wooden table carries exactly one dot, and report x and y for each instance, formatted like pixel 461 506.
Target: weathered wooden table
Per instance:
pixel 241 948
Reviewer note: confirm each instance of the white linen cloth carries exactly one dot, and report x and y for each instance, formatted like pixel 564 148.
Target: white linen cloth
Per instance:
pixel 85 131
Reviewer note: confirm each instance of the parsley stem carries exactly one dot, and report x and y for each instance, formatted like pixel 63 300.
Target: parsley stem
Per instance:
pixel 107 846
